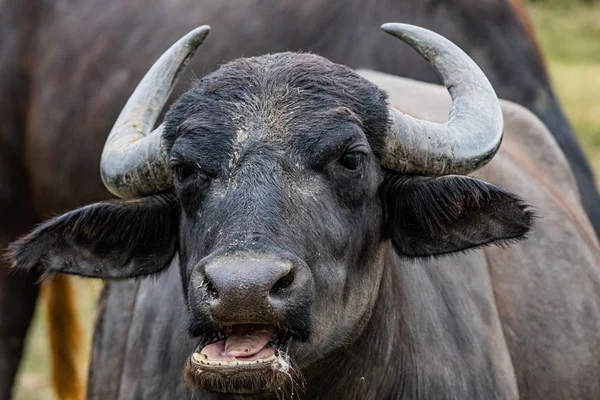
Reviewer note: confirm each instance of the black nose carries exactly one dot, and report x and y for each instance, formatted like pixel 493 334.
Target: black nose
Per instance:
pixel 252 290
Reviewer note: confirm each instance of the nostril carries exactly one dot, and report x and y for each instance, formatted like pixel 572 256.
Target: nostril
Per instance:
pixel 210 288
pixel 282 283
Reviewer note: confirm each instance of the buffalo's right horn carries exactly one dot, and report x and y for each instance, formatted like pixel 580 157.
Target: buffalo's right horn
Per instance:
pixel 474 130
pixel 134 160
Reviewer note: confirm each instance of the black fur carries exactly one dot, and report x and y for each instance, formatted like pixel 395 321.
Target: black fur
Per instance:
pixel 431 216
pixel 298 86
pixel 116 239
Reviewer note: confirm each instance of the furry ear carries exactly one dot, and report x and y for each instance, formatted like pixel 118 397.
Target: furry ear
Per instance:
pixel 429 216
pixel 116 239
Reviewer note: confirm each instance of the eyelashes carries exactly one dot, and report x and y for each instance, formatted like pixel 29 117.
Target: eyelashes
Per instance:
pixel 352 160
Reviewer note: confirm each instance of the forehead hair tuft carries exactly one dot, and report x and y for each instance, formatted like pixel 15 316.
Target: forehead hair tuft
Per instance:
pixel 285 86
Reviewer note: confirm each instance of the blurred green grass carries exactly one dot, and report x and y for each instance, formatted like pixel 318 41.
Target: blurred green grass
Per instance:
pixel 569 34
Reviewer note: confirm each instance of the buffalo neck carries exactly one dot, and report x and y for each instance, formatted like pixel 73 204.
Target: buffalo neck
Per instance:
pixel 373 364
pixel 428 337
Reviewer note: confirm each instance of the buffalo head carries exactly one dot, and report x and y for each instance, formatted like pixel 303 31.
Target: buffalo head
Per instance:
pixel 284 182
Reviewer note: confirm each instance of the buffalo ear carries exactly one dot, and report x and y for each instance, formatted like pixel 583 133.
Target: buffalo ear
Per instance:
pixel 430 216
pixel 115 239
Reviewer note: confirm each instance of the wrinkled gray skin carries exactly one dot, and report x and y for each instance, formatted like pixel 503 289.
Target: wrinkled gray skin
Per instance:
pixel 519 322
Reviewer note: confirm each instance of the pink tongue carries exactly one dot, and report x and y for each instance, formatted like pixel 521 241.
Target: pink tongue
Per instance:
pixel 247 342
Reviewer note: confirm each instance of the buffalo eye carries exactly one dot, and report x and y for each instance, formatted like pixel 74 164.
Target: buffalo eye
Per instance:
pixel 352 160
pixel 184 172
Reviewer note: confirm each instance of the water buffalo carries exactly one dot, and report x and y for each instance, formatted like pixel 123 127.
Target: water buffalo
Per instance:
pixel 67 67
pixel 294 217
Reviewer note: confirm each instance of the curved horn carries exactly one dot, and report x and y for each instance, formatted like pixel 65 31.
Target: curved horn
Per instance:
pixel 474 130
pixel 134 160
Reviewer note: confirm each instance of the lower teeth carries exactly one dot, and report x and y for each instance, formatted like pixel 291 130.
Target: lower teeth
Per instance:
pixel 202 359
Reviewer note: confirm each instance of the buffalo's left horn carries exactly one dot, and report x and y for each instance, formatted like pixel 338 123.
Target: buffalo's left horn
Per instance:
pixel 474 130
pixel 134 160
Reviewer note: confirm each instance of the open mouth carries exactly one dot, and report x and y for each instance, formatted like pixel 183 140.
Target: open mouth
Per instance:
pixel 243 347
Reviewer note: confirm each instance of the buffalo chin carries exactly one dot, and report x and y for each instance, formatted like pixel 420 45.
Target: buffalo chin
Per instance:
pixel 241 359
pixel 272 375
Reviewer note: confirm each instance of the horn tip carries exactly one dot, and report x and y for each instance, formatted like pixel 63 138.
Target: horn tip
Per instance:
pixel 387 26
pixel 196 36
pixel 392 27
pixel 406 31
pixel 201 32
